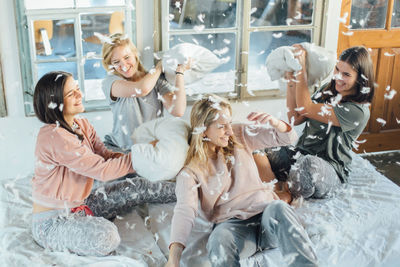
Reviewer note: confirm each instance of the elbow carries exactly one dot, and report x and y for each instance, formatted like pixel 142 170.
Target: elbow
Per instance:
pixel 178 113
pixel 303 110
pixel 145 91
pixel 297 122
pixel 295 118
pixel 178 110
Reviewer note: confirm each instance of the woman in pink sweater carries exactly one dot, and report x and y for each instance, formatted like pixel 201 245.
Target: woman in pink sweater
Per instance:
pixel 67 215
pixel 220 173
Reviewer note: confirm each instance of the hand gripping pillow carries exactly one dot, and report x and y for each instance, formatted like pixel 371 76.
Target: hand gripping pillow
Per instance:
pixel 320 63
pixel 164 160
pixel 203 61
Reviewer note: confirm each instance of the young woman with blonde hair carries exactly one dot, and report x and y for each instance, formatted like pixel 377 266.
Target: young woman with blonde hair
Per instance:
pixel 135 95
pixel 221 174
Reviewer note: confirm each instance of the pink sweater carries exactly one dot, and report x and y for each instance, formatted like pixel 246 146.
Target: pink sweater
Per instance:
pixel 223 193
pixel 65 166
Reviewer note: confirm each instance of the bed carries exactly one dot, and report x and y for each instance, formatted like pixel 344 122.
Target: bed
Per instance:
pixel 359 227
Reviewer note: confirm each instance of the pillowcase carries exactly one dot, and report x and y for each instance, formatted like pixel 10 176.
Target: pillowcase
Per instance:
pixel 320 63
pixel 203 61
pixel 164 160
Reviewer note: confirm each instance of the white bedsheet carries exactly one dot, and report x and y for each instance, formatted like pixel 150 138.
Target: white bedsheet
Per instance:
pixel 359 227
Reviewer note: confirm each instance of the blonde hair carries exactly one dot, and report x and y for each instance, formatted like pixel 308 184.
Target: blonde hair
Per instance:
pixel 117 40
pixel 203 114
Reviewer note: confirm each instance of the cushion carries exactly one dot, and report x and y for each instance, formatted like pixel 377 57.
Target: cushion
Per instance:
pixel 203 61
pixel 320 63
pixel 164 160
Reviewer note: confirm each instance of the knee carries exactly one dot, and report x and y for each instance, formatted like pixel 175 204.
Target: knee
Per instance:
pixel 274 210
pixel 221 246
pixel 106 239
pixel 302 177
pixel 221 236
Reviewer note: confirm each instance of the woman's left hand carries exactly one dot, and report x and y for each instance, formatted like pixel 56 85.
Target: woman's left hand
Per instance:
pixel 184 67
pixel 301 54
pixel 263 118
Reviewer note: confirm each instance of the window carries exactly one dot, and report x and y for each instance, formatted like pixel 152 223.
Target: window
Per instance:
pixel 67 35
pixel 241 32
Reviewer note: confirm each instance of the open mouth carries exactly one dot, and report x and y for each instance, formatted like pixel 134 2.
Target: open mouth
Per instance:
pixel 125 69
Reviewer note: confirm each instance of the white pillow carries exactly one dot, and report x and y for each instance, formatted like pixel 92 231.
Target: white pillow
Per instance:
pixel 203 61
pixel 320 63
pixel 164 161
pixel 281 60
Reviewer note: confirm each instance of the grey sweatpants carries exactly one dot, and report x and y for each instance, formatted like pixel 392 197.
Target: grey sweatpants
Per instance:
pixel 59 230
pixel 307 175
pixel 277 226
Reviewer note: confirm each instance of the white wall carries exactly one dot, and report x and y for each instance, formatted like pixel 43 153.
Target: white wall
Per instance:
pixel 18 133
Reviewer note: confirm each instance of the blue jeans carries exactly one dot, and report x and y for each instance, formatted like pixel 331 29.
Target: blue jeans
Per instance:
pixel 277 226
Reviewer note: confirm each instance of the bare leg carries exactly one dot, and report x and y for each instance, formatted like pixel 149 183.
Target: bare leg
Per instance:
pixel 264 167
pixel 267 175
pixel 282 190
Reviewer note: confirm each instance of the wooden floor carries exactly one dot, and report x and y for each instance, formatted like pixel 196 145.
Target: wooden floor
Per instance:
pixel 387 163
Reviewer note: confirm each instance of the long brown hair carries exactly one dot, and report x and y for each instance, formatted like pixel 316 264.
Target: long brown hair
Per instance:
pixel 117 40
pixel 360 60
pixel 203 114
pixel 48 99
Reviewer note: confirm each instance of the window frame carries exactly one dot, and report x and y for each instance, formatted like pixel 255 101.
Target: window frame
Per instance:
pixel 243 31
pixel 3 108
pixel 28 58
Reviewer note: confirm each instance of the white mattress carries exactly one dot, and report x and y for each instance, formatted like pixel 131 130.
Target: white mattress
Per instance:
pixel 359 227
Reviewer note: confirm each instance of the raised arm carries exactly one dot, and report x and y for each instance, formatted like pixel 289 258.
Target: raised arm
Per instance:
pixel 305 107
pixel 293 116
pixel 142 87
pixel 260 135
pixel 263 118
pixel 175 102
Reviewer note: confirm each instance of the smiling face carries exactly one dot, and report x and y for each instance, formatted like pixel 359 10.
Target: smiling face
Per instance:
pixel 345 78
pixel 124 61
pixel 72 100
pixel 220 130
